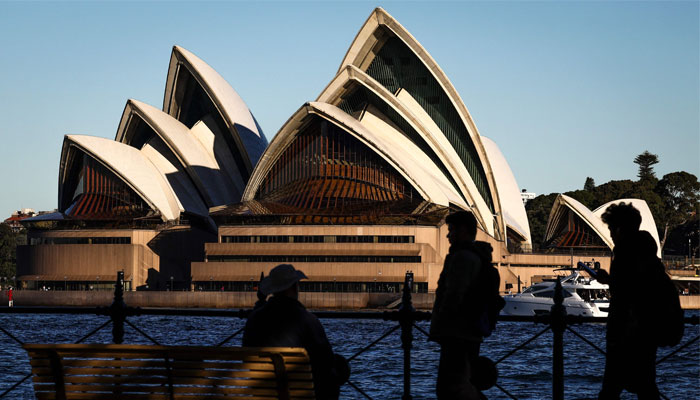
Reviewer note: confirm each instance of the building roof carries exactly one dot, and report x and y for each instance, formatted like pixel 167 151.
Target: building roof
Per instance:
pixel 200 182
pixel 381 27
pixel 511 201
pixel 594 221
pixel 428 137
pixel 240 122
pixel 398 156
pixel 130 165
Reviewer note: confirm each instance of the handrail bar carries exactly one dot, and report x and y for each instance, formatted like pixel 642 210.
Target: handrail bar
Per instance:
pixel 243 313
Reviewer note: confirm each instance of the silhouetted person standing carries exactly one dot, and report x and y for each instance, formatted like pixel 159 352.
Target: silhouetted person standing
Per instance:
pixel 630 362
pixel 284 322
pixel 463 287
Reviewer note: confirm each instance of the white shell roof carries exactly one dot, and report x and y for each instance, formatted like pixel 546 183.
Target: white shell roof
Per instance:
pixel 360 50
pixel 396 153
pixel 593 218
pixel 233 109
pixel 511 202
pixel 584 213
pixel 648 224
pixel 413 114
pixel 202 168
pixel 133 168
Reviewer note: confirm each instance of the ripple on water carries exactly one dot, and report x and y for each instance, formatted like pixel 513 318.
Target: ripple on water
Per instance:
pixel 379 372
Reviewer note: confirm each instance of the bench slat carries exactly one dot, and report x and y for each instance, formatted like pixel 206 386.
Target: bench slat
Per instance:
pixel 161 363
pixel 147 372
pixel 176 372
pixel 105 396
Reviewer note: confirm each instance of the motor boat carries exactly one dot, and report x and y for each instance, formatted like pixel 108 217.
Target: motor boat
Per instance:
pixel 583 296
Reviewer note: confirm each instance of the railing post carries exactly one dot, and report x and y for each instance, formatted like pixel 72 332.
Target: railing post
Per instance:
pixel 118 310
pixel 558 325
pixel 406 312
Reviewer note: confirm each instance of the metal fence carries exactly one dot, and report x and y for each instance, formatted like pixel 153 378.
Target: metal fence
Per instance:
pixel 557 321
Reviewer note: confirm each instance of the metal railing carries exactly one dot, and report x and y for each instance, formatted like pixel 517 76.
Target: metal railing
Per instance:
pixel 557 321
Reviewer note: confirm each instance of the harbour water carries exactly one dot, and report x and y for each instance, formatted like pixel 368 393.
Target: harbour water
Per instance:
pixel 379 371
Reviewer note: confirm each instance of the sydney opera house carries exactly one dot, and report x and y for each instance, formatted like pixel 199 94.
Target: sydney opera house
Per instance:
pixel 353 189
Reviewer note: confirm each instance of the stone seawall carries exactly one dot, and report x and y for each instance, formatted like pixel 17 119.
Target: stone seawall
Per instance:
pixel 332 301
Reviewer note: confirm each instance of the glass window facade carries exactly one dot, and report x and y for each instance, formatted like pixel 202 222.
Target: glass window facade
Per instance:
pixel 314 287
pixel 360 97
pixel 312 258
pixel 79 240
pixel 570 231
pixel 396 67
pixel 318 239
pixel 194 105
pixel 325 170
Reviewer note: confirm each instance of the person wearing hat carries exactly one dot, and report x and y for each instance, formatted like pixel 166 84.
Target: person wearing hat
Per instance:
pixel 283 321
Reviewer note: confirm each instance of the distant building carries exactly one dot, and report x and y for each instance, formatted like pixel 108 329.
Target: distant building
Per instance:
pixel 572 226
pixel 353 189
pixel 14 220
pixel 526 196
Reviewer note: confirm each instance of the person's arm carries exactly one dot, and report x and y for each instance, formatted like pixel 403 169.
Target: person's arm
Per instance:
pixel 321 355
pixel 602 276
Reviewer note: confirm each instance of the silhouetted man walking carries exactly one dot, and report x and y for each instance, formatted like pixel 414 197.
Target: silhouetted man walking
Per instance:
pixel 630 362
pixel 465 284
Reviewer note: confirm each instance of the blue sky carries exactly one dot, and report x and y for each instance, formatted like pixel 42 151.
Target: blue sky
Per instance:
pixel 566 89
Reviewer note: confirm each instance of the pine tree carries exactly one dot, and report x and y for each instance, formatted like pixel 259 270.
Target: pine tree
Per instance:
pixel 646 161
pixel 589 185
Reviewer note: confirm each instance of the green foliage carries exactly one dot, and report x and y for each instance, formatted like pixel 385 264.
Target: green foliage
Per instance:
pixel 646 161
pixel 674 202
pixel 537 214
pixel 8 251
pixel 684 240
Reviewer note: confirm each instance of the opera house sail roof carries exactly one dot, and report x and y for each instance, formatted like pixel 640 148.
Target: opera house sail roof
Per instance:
pixel 388 141
pixel 573 225
pixel 196 153
pixel 389 135
pixel 354 187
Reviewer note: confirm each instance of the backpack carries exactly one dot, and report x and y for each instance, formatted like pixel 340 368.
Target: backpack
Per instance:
pixel 492 304
pixel 668 319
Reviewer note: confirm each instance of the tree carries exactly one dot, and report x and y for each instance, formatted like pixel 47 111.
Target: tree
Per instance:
pixel 680 193
pixel 589 186
pixel 8 251
pixel 646 161
pixel 537 214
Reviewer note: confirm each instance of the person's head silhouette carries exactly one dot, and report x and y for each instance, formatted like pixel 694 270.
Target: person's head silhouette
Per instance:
pixel 622 220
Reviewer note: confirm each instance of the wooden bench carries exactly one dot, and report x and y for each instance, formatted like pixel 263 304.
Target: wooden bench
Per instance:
pixel 116 371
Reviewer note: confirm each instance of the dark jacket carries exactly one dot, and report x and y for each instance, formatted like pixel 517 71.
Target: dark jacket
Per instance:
pixel 634 262
pixel 459 301
pixel 285 322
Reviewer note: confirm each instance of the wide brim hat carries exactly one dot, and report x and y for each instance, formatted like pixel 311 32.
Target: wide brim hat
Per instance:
pixel 281 278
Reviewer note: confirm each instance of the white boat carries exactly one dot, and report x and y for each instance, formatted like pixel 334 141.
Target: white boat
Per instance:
pixel 582 296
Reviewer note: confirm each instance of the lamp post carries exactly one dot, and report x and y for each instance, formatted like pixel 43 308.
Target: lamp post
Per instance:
pixel 171 283
pixel 65 283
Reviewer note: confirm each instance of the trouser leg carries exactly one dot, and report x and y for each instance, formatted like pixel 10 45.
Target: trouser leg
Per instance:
pixel 612 377
pixel 632 367
pixel 644 358
pixel 454 371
